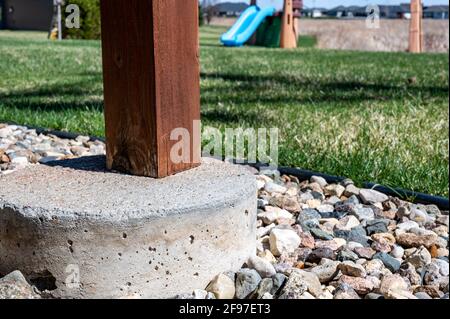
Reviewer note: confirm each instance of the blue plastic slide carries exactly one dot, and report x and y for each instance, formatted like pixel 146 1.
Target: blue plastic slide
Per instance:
pixel 246 25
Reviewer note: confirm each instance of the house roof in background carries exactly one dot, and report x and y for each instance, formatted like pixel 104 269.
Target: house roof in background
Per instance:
pixel 231 6
pixel 438 8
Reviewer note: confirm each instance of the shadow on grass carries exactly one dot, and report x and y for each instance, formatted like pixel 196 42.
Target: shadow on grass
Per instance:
pixel 276 88
pixel 237 90
pixel 58 96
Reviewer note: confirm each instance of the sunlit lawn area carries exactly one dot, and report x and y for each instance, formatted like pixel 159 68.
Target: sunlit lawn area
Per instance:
pixel 379 117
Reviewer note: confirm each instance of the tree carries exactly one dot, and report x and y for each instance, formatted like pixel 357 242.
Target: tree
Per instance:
pixel 209 9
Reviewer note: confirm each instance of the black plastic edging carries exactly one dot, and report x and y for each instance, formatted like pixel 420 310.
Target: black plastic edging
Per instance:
pixel 301 174
pixel 422 198
pixel 415 197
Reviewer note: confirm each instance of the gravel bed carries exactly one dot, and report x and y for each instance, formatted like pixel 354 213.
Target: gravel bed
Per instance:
pixel 315 240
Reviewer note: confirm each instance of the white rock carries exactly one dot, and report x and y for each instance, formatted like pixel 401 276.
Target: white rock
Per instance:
pixel 351 245
pixel 363 213
pixel 82 139
pixel 283 241
pixel 48 159
pixel 443 266
pixel 264 268
pixel 419 216
pixel 334 190
pixel 5 132
pixel 200 294
pixel 267 255
pixel 264 231
pixel 326 295
pixel 272 214
pixel 319 180
pixel 420 258
pixel 392 283
pixel 347 223
pixel 54 154
pixel 260 184
pixel 397 252
pixel 371 196
pixel 325 208
pixel 351 190
pixel 352 269
pixel 271 187
pixel 222 287
pixel 306 295
pixel 333 200
pixel 305 197
pixel 19 160
pixel 97 149
pixel 407 226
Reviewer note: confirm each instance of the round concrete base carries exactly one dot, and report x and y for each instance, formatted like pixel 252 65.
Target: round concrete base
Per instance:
pixel 81 232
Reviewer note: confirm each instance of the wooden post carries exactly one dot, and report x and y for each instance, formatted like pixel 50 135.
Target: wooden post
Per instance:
pixel 288 33
pixel 297 6
pixel 151 83
pixel 252 40
pixel 415 28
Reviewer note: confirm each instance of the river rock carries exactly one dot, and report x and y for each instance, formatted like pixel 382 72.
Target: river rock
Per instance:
pixel 334 190
pixel 283 241
pixel 264 268
pixel 371 196
pixel 265 286
pixel 347 223
pixel 300 282
pixel 390 262
pixel 15 286
pixel 278 282
pixel 361 285
pixel 326 270
pixel 345 291
pixel 420 258
pixel 352 269
pixel 365 252
pixel 320 234
pixel 319 180
pixel 247 280
pixel 222 287
pixel 415 240
pixel 273 214
pixel 271 187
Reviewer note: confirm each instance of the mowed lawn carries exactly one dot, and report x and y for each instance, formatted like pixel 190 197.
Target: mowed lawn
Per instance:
pixel 379 117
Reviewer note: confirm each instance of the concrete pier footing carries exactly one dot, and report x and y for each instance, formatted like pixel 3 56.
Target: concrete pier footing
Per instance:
pixel 79 231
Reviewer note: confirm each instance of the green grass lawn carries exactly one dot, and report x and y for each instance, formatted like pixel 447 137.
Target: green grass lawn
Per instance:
pixel 380 117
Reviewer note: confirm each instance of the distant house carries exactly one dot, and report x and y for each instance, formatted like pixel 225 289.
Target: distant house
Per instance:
pixel 395 12
pixel 230 9
pixel 313 12
pixel 26 14
pixel 402 11
pixel 347 12
pixel 436 12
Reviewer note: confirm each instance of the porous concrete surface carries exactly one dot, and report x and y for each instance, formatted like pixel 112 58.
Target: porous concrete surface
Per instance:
pixel 128 236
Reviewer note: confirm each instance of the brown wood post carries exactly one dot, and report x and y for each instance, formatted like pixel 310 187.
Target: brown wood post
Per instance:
pixel 297 10
pixel 151 83
pixel 415 28
pixel 288 35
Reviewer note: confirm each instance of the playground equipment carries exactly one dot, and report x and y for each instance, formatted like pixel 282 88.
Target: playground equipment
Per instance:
pixel 416 44
pixel 268 27
pixel 246 25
